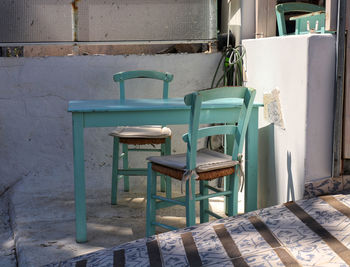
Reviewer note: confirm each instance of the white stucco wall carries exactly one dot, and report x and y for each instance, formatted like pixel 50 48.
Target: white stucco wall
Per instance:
pixel 302 68
pixel 35 127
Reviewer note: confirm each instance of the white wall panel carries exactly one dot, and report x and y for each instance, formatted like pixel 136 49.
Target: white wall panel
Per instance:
pixel 302 69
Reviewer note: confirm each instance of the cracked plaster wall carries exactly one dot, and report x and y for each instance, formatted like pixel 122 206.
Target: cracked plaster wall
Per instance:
pixel 35 127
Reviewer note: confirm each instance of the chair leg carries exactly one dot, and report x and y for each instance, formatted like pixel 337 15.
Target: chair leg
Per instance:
pixel 168 179
pixel 115 166
pixel 151 202
pixel 190 203
pixel 126 166
pixel 227 199
pixel 204 204
pixel 235 194
pixel 165 181
pixel 232 200
pixel 162 177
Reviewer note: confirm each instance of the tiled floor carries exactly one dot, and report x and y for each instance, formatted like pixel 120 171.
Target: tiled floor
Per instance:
pixel 311 232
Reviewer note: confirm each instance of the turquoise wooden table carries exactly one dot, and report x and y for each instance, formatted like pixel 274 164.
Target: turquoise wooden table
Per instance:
pixel 133 112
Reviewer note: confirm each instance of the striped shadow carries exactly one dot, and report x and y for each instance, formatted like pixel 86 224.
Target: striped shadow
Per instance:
pixel 335 203
pixel 119 258
pixel 342 251
pixel 81 263
pixel 154 253
pixel 229 245
pixel 191 250
pixel 265 232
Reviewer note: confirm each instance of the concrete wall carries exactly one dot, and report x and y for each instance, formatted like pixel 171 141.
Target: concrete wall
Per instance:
pixel 302 68
pixel 35 127
pixel 242 20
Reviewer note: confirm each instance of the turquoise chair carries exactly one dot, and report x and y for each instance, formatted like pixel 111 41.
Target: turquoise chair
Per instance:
pixel 138 136
pixel 301 23
pixel 204 164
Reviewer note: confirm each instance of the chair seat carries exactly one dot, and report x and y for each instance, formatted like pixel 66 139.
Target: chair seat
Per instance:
pixel 179 174
pixel 207 160
pixel 141 132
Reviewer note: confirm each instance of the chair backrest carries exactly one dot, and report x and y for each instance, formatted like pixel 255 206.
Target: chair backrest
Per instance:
pixel 120 77
pixel 281 9
pixel 242 96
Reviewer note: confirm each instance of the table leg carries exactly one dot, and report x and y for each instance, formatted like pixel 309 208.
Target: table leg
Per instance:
pixel 79 177
pixel 251 163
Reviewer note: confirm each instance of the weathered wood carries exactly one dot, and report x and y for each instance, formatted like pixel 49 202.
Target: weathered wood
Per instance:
pixel 339 93
pixel 271 18
pixel 265 18
pixel 331 15
pixel 346 136
pixel 260 19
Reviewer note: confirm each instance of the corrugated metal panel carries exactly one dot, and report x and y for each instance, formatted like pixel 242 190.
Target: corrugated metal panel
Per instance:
pixel 130 20
pixel 35 20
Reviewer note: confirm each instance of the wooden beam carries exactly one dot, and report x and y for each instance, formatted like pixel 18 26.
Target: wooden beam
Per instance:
pixel 265 21
pixel 338 124
pixel 331 15
pixel 346 127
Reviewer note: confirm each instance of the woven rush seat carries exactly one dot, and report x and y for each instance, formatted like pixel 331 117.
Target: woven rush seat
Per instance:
pixel 210 165
pixel 144 135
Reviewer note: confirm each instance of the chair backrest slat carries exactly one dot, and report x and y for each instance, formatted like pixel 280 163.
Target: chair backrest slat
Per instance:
pixel 121 77
pixel 214 130
pixel 236 128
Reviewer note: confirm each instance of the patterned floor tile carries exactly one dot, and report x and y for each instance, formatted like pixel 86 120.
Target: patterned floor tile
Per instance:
pixel 331 219
pixel 209 246
pixel 172 250
pixel 291 234
pixel 265 258
pixel 306 246
pixel 247 239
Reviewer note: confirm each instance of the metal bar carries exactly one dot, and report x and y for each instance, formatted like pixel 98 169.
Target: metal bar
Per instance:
pixel 192 41
pixel 339 94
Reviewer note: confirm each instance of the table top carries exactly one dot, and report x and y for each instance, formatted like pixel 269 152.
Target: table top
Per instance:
pixel 145 104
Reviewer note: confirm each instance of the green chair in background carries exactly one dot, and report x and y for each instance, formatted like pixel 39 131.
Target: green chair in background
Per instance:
pixel 203 165
pixel 313 21
pixel 138 136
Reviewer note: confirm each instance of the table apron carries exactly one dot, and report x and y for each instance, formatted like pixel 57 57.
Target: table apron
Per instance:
pixel 152 117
